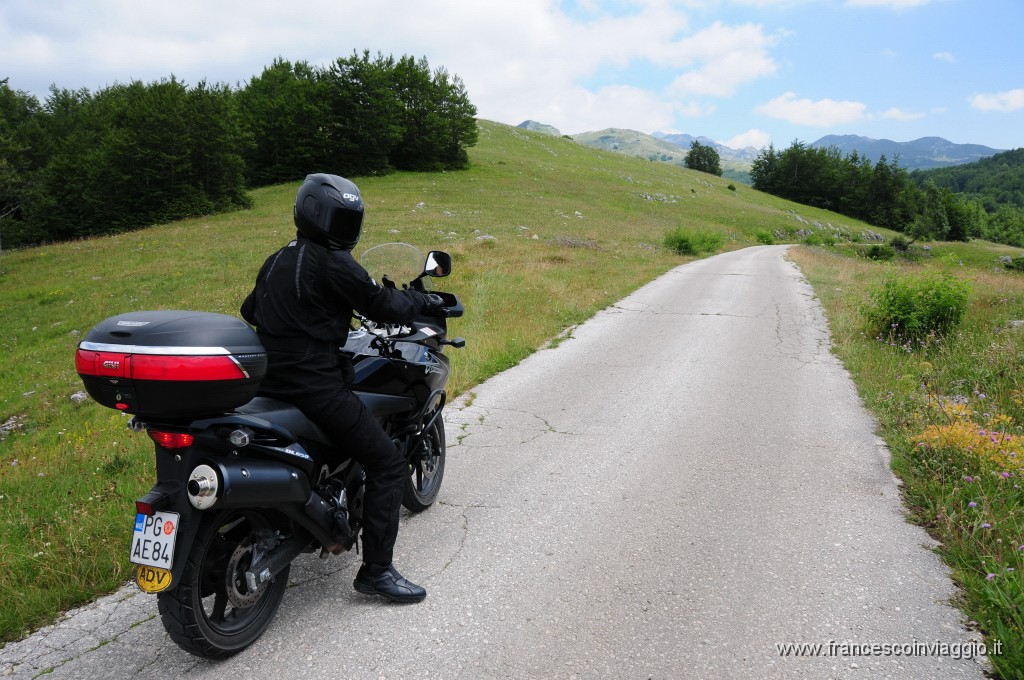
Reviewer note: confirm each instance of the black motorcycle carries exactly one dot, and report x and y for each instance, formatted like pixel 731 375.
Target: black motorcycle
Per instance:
pixel 243 486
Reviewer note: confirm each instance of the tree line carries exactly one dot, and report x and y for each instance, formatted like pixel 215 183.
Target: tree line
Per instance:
pixel 997 182
pixel 85 163
pixel 884 194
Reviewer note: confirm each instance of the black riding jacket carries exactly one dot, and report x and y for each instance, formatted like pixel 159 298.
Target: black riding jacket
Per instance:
pixel 305 290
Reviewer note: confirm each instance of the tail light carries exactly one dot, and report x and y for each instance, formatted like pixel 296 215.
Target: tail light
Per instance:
pixel 158 366
pixel 171 440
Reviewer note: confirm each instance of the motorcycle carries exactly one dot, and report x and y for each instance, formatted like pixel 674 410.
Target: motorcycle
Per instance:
pixel 243 486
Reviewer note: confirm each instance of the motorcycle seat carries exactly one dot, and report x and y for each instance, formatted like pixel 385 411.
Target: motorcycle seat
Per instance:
pixel 286 416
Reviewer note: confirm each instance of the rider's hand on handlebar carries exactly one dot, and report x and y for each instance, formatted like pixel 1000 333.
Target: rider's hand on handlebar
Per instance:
pixel 435 305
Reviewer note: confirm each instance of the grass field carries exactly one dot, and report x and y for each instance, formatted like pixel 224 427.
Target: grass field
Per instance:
pixel 543 232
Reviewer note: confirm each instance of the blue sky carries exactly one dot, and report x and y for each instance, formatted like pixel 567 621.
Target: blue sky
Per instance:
pixel 742 72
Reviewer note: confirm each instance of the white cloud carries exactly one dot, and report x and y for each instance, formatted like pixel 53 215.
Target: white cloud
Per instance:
pixel 518 60
pixel 945 56
pixel 693 109
pixel 899 114
pixel 1011 100
pixel 576 109
pixel 890 53
pixel 755 138
pixel 725 57
pixel 821 113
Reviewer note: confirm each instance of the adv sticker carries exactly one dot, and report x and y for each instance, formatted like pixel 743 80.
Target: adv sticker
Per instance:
pixel 152 579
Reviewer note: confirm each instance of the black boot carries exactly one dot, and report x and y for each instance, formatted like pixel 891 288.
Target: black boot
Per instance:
pixel 384 580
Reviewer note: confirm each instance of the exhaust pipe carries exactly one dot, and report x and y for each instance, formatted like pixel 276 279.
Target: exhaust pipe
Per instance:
pixel 266 484
pixel 246 484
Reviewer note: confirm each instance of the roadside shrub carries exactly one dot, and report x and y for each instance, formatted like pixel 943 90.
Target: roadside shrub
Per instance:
pixel 1016 264
pixel 731 187
pixel 819 239
pixel 909 309
pixel 900 243
pixel 764 236
pixel 684 242
pixel 880 253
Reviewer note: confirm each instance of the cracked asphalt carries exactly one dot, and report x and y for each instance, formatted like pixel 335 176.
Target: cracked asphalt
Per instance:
pixel 684 483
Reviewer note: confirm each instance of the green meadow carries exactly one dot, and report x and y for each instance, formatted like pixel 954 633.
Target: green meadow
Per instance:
pixel 544 233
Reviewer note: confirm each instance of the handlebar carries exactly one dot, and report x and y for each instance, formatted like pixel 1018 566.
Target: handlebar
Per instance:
pixel 452 306
pixel 421 328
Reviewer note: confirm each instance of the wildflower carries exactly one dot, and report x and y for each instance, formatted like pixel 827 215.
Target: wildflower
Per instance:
pixel 986 525
pixel 968 479
pixel 1005 475
pixel 972 504
pixel 990 577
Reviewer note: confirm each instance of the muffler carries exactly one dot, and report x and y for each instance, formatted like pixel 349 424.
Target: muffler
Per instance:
pixel 246 484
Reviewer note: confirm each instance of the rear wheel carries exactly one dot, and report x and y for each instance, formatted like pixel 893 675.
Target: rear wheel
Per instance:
pixel 213 612
pixel 426 470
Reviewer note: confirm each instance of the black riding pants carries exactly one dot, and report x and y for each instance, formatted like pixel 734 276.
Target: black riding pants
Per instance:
pixel 315 383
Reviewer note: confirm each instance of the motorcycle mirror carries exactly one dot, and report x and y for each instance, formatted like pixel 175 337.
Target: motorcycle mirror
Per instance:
pixel 439 263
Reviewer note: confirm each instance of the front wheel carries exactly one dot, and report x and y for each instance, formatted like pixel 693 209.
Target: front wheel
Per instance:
pixel 213 613
pixel 426 470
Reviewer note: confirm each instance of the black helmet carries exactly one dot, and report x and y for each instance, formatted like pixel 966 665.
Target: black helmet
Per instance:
pixel 329 211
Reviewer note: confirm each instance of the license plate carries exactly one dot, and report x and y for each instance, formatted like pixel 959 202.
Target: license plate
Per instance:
pixel 153 540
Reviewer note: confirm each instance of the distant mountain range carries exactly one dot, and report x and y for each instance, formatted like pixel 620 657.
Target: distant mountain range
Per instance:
pixel 919 154
pixel 666 148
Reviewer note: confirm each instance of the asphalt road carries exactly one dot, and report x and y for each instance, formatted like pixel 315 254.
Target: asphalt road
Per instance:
pixel 683 485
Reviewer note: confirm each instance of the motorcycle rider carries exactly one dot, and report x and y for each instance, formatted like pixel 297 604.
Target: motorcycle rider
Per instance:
pixel 301 306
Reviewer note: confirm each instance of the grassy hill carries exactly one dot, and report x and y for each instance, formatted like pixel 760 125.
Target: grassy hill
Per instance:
pixel 633 143
pixel 544 232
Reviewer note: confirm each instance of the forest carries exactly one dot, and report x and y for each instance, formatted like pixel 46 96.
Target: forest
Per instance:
pixel 997 182
pixel 85 163
pixel 977 200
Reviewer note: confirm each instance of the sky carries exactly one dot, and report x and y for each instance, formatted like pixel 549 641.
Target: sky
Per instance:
pixel 741 72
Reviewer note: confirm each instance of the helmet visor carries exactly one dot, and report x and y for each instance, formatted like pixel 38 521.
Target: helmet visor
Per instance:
pixel 342 225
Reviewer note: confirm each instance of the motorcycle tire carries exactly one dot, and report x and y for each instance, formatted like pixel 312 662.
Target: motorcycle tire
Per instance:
pixel 426 470
pixel 212 613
